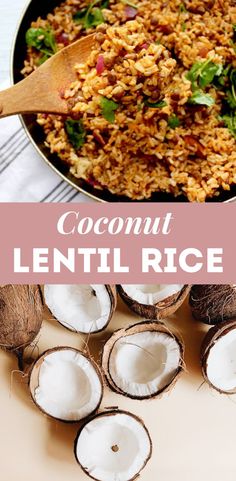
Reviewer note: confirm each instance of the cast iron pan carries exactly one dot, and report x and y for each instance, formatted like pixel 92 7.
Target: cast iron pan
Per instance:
pixel 35 132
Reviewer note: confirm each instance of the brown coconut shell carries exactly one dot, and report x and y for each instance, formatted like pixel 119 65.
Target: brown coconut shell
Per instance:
pixel 21 315
pixel 34 378
pixel 213 335
pixel 145 326
pixel 112 412
pixel 113 298
pixel 161 309
pixel 213 303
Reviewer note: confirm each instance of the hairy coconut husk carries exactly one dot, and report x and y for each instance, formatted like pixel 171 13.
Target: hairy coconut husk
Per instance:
pixel 158 311
pixel 33 378
pixel 21 315
pixel 105 414
pixel 213 335
pixel 112 291
pixel 148 325
pixel 213 303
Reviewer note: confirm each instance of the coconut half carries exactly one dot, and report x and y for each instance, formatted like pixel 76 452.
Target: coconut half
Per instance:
pixel 81 308
pixel 143 360
pixel 218 357
pixel 153 301
pixel 65 384
pixel 113 446
pixel 213 303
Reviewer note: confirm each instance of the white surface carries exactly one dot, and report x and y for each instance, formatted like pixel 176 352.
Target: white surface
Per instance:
pixel 221 362
pixel 150 294
pixel 95 442
pixel 144 363
pixel 81 308
pixel 9 15
pixel 69 387
pixel 24 177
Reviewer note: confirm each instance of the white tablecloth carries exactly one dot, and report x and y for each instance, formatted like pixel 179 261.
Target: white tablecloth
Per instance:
pixel 24 177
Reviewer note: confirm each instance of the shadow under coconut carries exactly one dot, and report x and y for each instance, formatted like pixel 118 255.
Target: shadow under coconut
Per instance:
pixel 95 344
pixel 60 440
pixel 18 382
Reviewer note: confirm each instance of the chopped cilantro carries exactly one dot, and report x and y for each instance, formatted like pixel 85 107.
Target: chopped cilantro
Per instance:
pixel 203 73
pixel 43 39
pixel 230 122
pixel 76 133
pixel 155 105
pixel 108 109
pixel 173 122
pixel 91 16
pixel 200 98
pixel 182 8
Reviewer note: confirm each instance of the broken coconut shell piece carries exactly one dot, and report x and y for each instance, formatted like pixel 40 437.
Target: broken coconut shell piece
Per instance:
pixel 81 308
pixel 154 301
pixel 65 384
pixel 218 357
pixel 212 303
pixel 143 360
pixel 114 445
pixel 21 316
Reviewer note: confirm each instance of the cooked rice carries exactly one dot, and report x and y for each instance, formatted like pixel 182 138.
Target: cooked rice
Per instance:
pixel 139 153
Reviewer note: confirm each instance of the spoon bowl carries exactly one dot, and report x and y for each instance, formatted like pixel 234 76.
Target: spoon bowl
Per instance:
pixel 42 91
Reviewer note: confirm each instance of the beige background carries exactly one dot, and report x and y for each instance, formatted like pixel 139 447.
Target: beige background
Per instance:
pixel 193 428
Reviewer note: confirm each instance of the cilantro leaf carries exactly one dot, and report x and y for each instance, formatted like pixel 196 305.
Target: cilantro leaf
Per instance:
pixel 208 73
pixel 91 16
pixel 182 8
pixel 202 74
pixel 230 122
pixel 173 122
pixel 200 98
pixel 108 109
pixel 75 132
pixel 35 37
pixel 231 99
pixel 231 91
pixel 43 39
pixel 155 105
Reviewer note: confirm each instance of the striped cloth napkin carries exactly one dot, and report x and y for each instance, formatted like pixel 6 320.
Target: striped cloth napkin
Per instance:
pixel 24 176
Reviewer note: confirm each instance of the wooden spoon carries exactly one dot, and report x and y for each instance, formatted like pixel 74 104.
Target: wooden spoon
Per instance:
pixel 42 91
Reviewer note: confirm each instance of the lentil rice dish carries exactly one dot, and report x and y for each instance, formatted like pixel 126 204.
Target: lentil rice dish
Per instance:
pixel 154 107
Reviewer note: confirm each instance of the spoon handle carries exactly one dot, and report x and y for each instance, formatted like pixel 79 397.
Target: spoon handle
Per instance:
pixel 32 95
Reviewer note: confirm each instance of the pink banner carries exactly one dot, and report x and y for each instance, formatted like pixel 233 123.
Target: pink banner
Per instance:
pixel 114 243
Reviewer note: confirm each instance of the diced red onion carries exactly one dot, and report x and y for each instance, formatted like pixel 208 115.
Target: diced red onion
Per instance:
pixel 93 182
pixel 63 38
pixel 100 65
pixel 130 12
pixel 144 45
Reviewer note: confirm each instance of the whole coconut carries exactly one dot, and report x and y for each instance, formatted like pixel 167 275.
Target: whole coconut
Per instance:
pixel 213 303
pixel 21 315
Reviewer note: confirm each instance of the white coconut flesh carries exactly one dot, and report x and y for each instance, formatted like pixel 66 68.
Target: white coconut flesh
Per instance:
pixel 113 447
pixel 69 387
pixel 82 308
pixel 151 294
pixel 145 363
pixel 221 362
